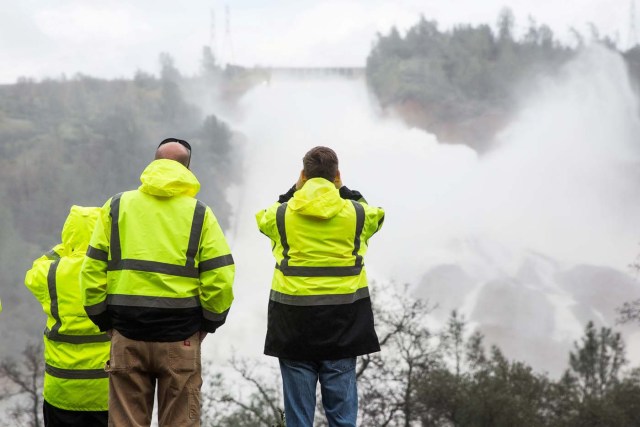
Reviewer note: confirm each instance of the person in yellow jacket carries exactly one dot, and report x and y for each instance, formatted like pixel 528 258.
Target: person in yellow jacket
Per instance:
pixel 158 276
pixel 75 350
pixel 320 315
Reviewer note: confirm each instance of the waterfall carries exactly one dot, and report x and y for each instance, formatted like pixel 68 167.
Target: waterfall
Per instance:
pixel 558 192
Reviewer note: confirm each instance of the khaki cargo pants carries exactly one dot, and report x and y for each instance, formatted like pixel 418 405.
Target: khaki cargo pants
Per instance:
pixel 134 369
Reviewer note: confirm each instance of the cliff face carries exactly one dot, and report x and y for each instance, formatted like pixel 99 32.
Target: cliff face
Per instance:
pixel 475 122
pixel 476 131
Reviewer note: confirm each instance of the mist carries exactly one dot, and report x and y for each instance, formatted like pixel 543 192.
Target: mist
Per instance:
pixel 557 194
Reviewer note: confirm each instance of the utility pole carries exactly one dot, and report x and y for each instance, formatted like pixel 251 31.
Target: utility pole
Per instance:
pixel 212 32
pixel 229 41
pixel 633 31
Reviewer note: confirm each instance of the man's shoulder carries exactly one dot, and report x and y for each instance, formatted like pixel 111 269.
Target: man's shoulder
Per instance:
pixel 179 198
pixel 270 211
pixel 201 203
pixel 119 196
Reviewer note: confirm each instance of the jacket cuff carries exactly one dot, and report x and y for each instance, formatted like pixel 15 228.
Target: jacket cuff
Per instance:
pixel 288 195
pixel 102 320
pixel 210 325
pixel 348 194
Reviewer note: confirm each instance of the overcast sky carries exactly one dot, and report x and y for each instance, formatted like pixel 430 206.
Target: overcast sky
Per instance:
pixel 114 38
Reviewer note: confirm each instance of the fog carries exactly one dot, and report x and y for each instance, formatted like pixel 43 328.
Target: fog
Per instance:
pixel 557 193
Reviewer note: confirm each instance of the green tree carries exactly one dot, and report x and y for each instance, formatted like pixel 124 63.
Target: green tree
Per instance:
pixel 476 390
pixel 171 96
pixel 596 363
pixel 506 23
pixel 593 392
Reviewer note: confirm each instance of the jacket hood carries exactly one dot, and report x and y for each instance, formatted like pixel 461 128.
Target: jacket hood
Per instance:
pixel 317 198
pixel 168 178
pixel 77 229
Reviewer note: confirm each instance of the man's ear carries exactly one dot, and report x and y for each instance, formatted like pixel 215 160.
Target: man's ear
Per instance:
pixel 337 181
pixel 301 180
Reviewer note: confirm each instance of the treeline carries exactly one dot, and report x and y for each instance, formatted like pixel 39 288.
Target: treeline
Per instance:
pixel 424 376
pixel 81 140
pixel 462 83
pixel 448 377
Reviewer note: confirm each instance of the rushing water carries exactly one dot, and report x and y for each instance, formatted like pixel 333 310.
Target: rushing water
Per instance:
pixel 561 185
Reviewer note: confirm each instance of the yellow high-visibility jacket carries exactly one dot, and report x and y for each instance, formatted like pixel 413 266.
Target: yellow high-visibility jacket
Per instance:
pixel 319 305
pixel 158 267
pixel 75 350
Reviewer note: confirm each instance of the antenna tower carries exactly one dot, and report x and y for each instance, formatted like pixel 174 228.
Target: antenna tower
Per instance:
pixel 633 31
pixel 212 31
pixel 230 55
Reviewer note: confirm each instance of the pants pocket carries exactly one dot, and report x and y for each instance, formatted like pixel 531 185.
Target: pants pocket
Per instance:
pixel 118 360
pixel 341 365
pixel 184 356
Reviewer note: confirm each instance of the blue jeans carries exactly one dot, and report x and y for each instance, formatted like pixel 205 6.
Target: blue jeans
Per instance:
pixel 337 384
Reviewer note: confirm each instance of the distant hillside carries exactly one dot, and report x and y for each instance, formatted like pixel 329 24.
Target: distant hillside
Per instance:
pixel 463 84
pixel 81 140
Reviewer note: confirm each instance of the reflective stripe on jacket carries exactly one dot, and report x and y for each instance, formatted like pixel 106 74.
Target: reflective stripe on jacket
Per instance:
pixel 319 304
pixel 75 350
pixel 158 267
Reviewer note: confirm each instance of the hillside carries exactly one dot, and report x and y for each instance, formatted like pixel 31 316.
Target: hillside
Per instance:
pixel 464 84
pixel 79 141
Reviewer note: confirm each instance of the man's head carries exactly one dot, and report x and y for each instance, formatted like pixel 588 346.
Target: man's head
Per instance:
pixel 320 162
pixel 175 149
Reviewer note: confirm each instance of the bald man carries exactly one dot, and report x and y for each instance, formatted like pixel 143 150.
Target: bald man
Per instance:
pixel 158 277
pixel 174 150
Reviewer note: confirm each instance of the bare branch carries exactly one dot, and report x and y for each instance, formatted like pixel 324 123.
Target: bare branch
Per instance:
pixel 629 312
pixel 267 395
pixel 27 379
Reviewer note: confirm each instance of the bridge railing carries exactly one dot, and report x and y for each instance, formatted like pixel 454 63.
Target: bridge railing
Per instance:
pixel 302 72
pixel 352 72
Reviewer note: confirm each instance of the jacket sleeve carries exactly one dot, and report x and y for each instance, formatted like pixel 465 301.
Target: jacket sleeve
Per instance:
pixel 347 193
pixel 374 218
pixel 55 253
pixel 36 278
pixel 266 220
pixel 93 274
pixel 283 198
pixel 217 272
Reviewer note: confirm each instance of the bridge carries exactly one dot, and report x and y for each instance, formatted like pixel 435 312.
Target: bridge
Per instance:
pixel 305 72
pixel 297 72
pixel 237 80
